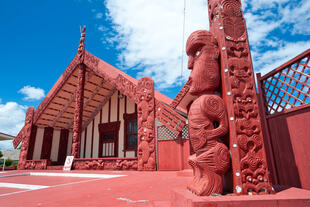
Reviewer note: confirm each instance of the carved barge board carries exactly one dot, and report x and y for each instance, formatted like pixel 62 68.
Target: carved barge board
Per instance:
pixel 249 165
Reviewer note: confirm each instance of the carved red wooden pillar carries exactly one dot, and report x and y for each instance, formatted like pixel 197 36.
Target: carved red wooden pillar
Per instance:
pixel 79 100
pixel 146 123
pixel 249 165
pixel 24 135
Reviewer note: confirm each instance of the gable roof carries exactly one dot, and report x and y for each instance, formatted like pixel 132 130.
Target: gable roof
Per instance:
pixel 102 80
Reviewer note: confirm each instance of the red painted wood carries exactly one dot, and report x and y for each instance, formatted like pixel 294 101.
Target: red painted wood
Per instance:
pixel 227 23
pixel 62 149
pixel 267 139
pixel 290 137
pixel 78 113
pixel 299 131
pixel 168 155
pixel 112 127
pixel 282 147
pixel 186 153
pixel 146 121
pixel 128 117
pixel 32 142
pixel 24 137
pixel 47 143
pixel 79 99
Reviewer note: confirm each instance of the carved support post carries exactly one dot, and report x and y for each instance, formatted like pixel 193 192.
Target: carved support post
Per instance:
pixel 249 164
pixel 79 99
pixel 78 112
pixel 24 135
pixel 146 122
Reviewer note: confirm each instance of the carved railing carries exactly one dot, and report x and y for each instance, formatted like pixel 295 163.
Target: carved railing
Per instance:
pixel 105 163
pixel 171 119
pixel 287 86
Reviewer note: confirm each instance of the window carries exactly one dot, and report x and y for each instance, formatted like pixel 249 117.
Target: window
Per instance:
pixel 131 132
pixel 108 139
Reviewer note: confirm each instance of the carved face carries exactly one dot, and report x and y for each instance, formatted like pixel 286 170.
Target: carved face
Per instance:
pixel 202 51
pixel 245 106
pixel 240 70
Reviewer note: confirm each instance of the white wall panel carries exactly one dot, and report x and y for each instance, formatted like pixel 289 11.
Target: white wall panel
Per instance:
pixel 105 112
pixel 130 106
pixel 121 129
pixel 38 144
pixel 69 147
pixel 96 136
pixel 55 145
pixel 88 140
pixel 82 144
pixel 130 154
pixel 114 107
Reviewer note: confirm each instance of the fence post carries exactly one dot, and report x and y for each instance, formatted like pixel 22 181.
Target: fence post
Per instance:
pixel 269 148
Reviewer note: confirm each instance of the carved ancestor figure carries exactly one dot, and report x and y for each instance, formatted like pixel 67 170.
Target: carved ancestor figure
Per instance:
pixel 207 116
pixel 146 122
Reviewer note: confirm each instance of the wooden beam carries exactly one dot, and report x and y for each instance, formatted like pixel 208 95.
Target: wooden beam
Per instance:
pixel 98 109
pixel 88 101
pixel 72 98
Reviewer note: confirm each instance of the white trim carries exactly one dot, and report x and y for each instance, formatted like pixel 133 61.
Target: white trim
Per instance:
pixel 22 186
pixel 77 175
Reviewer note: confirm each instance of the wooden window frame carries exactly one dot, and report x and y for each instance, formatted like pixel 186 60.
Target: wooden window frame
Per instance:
pixel 111 127
pixel 129 117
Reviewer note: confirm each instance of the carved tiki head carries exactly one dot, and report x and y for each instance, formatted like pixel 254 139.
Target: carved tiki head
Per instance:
pixel 202 51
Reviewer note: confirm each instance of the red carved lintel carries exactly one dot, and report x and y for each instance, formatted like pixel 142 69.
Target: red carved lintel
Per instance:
pixel 105 164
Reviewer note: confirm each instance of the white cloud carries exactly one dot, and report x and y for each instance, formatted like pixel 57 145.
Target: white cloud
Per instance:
pixel 151 38
pixel 99 15
pixel 273 26
pixel 297 15
pixel 259 28
pixel 263 4
pixel 12 119
pixel 32 93
pixel 265 62
pixel 148 34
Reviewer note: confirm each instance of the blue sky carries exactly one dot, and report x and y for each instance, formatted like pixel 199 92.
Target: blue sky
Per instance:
pixel 143 38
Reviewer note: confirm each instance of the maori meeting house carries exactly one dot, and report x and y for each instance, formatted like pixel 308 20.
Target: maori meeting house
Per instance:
pixel 233 135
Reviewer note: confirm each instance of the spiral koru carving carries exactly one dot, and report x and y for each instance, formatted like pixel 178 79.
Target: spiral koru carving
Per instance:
pixel 207 124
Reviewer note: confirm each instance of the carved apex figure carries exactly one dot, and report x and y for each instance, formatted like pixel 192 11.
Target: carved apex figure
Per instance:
pixel 207 116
